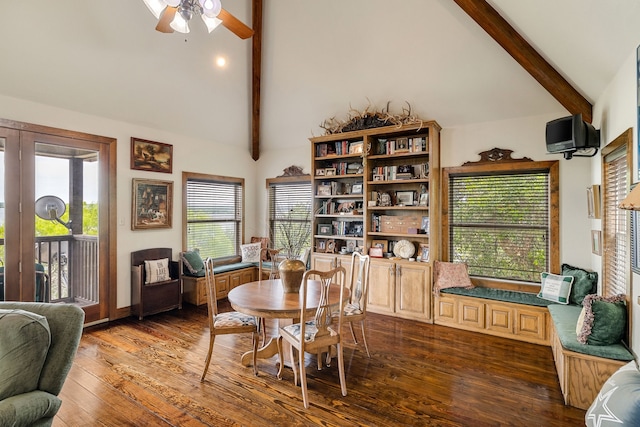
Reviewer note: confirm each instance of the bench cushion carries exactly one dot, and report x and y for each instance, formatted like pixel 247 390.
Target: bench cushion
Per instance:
pixel 500 295
pixel 232 267
pixel 565 318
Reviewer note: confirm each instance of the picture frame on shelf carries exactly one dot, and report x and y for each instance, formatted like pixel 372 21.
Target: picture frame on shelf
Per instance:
pixel 319 172
pixel 404 198
pixel 151 156
pixel 321 245
pixel 356 188
pixel 325 230
pixel 596 242
pixel 423 199
pixel 351 246
pixel 424 252
pixel 382 244
pixel 378 177
pixel 356 147
pixel 152 204
pixel 402 145
pixel 330 172
pixel 331 246
pixel 424 225
pixel 324 190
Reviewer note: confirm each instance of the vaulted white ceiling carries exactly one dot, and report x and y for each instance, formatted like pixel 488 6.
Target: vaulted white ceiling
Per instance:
pixel 320 58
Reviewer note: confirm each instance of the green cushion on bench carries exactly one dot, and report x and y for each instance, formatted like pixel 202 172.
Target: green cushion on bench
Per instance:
pixel 500 295
pixel 232 267
pixel 565 318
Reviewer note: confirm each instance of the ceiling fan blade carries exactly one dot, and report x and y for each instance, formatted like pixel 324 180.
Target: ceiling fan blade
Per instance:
pixel 167 15
pixel 235 25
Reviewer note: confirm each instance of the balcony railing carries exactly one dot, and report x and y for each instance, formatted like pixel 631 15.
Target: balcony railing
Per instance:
pixel 71 265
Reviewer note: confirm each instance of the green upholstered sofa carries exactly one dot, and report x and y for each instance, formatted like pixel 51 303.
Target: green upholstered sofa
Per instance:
pixel 38 342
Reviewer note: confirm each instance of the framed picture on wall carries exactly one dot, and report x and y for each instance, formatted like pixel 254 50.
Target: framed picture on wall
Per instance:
pixel 152 204
pixel 596 242
pixel 151 156
pixel 593 201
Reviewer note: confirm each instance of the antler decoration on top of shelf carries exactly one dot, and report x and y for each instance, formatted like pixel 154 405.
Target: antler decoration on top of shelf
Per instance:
pixel 367 119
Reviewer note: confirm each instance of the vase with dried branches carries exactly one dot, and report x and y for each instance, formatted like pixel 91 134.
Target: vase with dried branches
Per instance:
pixel 294 233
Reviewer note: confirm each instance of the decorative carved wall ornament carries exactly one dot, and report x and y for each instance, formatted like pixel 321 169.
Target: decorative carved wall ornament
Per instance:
pixel 292 171
pixel 496 155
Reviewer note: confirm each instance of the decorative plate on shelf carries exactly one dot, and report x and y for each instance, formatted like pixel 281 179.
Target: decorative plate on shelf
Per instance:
pixel 404 249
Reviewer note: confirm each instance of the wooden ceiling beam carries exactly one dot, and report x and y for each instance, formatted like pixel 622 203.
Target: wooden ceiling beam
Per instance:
pixel 507 37
pixel 255 78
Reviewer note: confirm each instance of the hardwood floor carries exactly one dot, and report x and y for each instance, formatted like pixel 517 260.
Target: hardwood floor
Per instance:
pixel 147 373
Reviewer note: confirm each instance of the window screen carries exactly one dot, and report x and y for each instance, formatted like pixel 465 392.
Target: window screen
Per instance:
pixel 214 217
pixel 499 224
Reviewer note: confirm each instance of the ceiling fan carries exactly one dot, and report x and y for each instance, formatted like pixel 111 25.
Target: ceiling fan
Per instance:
pixel 174 15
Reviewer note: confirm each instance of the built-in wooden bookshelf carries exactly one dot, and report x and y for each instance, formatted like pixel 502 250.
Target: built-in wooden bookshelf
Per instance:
pixel 375 188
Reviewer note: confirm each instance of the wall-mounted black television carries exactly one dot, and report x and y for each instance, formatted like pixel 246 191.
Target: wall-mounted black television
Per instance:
pixel 572 136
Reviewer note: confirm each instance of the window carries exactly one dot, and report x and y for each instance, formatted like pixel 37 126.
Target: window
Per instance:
pixel 289 212
pixel 503 219
pixel 616 176
pixel 213 212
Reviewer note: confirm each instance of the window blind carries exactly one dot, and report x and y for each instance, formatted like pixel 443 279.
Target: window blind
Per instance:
pixel 499 224
pixel 615 250
pixel 214 217
pixel 290 213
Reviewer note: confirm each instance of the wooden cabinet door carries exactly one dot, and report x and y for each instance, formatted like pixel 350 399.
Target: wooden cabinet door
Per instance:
pixel 532 324
pixel 381 298
pixel 323 262
pixel 499 318
pixel 247 276
pixel 413 299
pixel 222 285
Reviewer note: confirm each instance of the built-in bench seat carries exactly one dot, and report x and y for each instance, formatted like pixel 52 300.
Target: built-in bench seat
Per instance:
pixel 227 277
pixel 582 368
pixel 501 312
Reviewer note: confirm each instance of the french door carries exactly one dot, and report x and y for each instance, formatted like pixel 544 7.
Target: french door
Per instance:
pixel 56 229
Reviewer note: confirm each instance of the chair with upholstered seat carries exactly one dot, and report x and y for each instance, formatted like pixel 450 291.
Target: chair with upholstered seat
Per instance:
pixel 356 309
pixel 225 323
pixel 318 334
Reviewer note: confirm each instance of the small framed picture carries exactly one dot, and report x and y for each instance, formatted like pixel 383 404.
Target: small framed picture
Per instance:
pixel 324 190
pixel 424 252
pixel 404 198
pixel 424 199
pixel 351 246
pixel 321 245
pixel 356 148
pixel 378 177
pixel 331 246
pixel 596 242
pixel 324 229
pixel 319 172
pixel 402 144
pixel 151 156
pixel 356 188
pixel 425 224
pixel 330 172
pixel 382 244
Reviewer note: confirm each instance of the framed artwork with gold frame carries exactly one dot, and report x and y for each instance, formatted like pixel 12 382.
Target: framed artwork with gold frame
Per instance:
pixel 151 204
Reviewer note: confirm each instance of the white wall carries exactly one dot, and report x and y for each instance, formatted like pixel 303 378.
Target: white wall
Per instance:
pixel 614 113
pixel 190 155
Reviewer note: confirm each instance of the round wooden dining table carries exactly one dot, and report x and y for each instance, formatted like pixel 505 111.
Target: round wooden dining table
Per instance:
pixel 267 299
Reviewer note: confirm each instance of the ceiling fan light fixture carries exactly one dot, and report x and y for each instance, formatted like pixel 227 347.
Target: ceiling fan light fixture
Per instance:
pixel 156 6
pixel 179 24
pixel 211 23
pixel 210 8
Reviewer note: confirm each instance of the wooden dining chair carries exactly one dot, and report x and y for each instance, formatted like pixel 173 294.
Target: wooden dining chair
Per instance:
pixel 226 323
pixel 318 334
pixel 356 309
pixel 269 263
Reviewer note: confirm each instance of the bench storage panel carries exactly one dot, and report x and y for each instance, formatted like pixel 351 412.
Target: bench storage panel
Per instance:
pixel 226 276
pixel 522 322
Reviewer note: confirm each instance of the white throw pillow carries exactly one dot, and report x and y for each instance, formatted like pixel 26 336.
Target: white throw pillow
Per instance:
pixel 156 270
pixel 251 252
pixel 555 288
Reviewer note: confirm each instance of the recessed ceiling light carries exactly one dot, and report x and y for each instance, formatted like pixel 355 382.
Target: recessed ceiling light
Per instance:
pixel 221 61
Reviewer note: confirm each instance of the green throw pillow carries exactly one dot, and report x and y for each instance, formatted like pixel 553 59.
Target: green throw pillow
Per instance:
pixel 605 320
pixel 555 288
pixel 193 261
pixel 584 283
